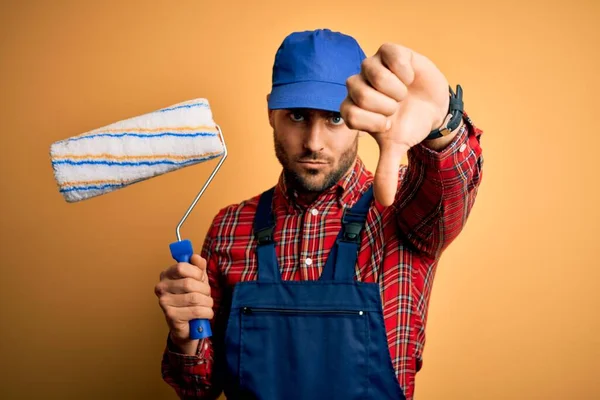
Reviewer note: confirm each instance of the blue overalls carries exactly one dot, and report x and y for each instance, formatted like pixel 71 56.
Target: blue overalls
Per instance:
pixel 322 339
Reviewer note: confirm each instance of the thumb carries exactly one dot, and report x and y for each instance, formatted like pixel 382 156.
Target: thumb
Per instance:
pixel 198 261
pixel 385 182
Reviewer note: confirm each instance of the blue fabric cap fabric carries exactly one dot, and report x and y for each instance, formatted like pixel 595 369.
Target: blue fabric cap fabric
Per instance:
pixel 311 69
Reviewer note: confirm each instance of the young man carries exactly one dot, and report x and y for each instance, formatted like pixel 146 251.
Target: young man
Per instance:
pixel 318 288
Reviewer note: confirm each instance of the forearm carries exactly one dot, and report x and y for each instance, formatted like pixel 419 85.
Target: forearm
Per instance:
pixel 438 189
pixel 192 367
pixel 190 375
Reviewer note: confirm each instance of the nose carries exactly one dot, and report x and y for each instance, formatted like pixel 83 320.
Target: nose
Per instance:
pixel 315 136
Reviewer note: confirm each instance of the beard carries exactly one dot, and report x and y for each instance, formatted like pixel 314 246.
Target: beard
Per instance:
pixel 302 181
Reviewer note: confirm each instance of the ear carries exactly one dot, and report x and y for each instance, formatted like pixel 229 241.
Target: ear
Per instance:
pixel 270 113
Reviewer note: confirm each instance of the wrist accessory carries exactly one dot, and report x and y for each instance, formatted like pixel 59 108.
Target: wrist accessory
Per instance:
pixel 455 114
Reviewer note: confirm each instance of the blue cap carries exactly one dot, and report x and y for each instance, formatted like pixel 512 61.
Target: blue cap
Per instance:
pixel 311 69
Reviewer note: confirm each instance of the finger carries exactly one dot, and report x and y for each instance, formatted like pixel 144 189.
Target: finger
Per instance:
pixel 385 181
pixel 363 120
pixel 382 79
pixel 183 270
pixel 191 299
pixel 198 261
pixel 398 59
pixel 367 98
pixel 185 314
pixel 184 285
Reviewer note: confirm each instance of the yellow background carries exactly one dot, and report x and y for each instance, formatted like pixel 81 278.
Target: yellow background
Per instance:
pixel 515 307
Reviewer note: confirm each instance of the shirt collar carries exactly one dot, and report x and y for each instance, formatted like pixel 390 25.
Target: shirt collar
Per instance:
pixel 345 192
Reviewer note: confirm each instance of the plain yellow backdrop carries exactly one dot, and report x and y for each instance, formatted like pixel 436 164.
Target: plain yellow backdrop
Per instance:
pixel 515 306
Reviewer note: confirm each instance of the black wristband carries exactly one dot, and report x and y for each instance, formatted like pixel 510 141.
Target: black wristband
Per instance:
pixel 456 109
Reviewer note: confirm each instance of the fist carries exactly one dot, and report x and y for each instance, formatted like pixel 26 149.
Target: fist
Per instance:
pixel 398 98
pixel 184 294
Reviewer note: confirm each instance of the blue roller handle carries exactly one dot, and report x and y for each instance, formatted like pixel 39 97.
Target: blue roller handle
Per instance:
pixel 182 252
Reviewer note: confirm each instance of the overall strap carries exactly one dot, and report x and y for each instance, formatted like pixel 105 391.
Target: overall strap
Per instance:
pixel 264 225
pixel 341 262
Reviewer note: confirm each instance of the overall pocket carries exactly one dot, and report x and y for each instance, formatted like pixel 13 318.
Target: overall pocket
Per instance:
pixel 290 353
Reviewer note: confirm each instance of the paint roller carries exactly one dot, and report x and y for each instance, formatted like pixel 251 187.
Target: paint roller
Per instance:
pixel 135 149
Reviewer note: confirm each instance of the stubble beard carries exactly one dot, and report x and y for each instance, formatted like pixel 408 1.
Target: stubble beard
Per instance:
pixel 300 182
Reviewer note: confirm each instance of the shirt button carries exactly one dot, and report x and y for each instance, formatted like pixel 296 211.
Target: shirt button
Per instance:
pixel 314 212
pixel 462 147
pixel 308 261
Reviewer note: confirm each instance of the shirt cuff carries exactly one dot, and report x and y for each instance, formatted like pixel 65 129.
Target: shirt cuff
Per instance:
pixel 191 363
pixel 440 163
pixel 434 157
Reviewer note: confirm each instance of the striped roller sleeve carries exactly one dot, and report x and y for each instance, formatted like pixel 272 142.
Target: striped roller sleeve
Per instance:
pixel 135 149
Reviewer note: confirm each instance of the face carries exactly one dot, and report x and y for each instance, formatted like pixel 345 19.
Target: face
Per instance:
pixel 315 147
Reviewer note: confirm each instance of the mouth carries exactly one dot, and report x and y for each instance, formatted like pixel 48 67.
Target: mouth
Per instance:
pixel 312 164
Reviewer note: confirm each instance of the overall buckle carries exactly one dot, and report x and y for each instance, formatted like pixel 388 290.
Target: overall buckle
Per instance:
pixel 265 235
pixel 351 232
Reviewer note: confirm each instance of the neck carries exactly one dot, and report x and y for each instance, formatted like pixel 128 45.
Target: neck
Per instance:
pixel 308 197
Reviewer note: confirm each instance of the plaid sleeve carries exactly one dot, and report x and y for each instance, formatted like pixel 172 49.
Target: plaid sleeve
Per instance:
pixel 189 375
pixel 193 376
pixel 438 190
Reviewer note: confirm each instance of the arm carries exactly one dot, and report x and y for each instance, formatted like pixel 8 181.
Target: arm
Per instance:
pixel 194 371
pixel 438 189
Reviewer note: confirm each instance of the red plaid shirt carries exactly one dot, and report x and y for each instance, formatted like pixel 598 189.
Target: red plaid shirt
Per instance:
pixel 400 249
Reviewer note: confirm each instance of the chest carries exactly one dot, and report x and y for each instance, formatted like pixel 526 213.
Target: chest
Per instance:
pixel 303 244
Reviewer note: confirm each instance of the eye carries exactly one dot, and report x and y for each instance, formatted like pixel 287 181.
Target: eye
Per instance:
pixel 336 119
pixel 296 116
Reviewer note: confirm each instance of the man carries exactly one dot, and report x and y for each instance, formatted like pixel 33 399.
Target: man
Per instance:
pixel 319 287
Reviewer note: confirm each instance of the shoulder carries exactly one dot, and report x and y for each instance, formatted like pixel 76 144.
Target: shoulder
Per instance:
pixel 235 214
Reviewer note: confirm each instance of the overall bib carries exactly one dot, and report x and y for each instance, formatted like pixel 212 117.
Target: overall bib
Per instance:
pixel 322 339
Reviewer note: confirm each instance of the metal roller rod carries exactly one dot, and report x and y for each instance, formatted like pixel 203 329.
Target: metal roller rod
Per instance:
pixel 210 178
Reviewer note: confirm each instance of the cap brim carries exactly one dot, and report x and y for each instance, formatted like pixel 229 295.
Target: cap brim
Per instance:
pixel 310 94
